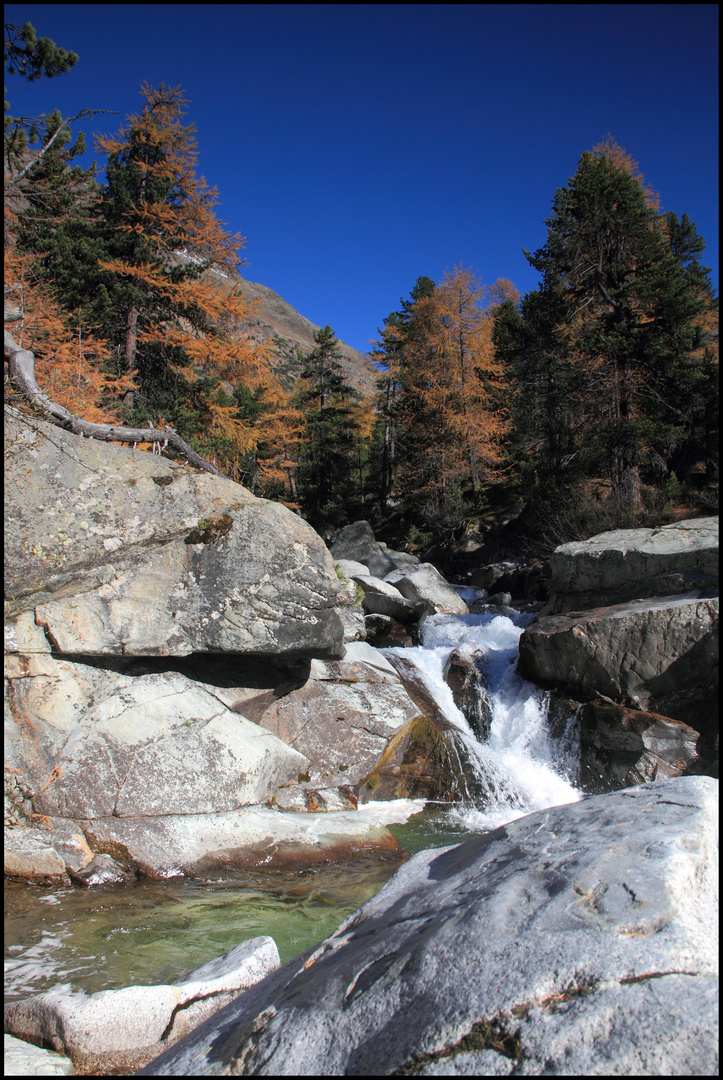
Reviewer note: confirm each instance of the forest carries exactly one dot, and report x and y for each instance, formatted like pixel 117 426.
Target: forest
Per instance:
pixel 500 420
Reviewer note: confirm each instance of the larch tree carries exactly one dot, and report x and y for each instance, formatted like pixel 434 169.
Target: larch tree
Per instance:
pixel 449 410
pixel 43 189
pixel 148 263
pixel 478 376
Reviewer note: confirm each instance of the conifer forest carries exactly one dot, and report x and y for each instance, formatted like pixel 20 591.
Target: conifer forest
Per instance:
pixel 586 404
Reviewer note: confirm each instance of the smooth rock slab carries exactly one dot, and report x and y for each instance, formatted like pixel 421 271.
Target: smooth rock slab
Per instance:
pixel 605 908
pixel 140 1017
pixel 197 844
pixel 625 564
pixel 23 1059
pixel 94 743
pixel 343 717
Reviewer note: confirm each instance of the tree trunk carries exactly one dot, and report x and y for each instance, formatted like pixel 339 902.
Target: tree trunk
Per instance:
pixel 131 345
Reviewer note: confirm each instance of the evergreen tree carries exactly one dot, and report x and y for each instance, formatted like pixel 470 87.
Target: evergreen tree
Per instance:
pixel 389 357
pixel 327 489
pixel 621 291
pixel 147 263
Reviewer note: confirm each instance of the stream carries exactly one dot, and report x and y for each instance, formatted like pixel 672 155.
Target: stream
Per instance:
pixel 158 931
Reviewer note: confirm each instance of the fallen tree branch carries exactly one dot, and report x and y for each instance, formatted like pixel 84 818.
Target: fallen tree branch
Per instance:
pixel 22 371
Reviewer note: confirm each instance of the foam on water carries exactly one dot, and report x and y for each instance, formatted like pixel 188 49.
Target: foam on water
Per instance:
pixel 522 768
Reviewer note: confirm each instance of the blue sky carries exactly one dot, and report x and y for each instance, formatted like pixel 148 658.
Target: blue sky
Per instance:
pixel 358 147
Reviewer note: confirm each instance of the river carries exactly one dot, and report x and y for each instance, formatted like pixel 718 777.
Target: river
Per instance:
pixel 157 932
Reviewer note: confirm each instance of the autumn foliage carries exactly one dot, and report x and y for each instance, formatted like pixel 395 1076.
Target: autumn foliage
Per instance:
pixel 127 295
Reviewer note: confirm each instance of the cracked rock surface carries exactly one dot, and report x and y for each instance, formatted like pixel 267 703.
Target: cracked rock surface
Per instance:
pixel 121 553
pixel 581 939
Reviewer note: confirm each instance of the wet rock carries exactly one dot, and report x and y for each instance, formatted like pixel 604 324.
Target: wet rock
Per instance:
pixel 202 844
pixel 575 936
pixel 101 870
pixel 469 693
pixel 621 747
pixel 419 762
pixel 139 1018
pixel 500 599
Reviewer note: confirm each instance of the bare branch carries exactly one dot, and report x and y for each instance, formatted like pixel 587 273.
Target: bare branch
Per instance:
pixel 22 370
pixel 15 180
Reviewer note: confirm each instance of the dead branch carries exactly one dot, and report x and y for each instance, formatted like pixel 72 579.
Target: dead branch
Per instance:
pixel 22 371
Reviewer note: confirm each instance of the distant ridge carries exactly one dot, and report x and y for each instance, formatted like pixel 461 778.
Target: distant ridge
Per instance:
pixel 287 330
pixel 278 319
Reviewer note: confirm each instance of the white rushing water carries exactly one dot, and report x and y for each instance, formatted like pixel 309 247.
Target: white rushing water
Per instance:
pixel 522 767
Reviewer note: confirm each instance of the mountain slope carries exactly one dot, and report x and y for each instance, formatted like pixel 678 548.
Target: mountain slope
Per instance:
pixel 287 330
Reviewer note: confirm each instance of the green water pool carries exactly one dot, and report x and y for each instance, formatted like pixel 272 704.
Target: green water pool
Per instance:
pixel 150 932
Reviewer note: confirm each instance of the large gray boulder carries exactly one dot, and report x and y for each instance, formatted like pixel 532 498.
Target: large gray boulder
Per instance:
pixel 164 772
pixel 661 652
pixel 383 598
pixel 123 553
pixel 425 583
pixel 579 940
pixel 342 718
pixel 629 564
pixel 91 742
pixel 357 542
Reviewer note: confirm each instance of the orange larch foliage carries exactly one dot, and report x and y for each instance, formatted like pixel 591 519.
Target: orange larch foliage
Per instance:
pixel 197 311
pixel 67 357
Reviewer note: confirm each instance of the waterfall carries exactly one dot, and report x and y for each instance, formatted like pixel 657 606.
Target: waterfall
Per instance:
pixel 523 766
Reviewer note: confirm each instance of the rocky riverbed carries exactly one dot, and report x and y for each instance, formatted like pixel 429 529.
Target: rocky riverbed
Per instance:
pixel 195 686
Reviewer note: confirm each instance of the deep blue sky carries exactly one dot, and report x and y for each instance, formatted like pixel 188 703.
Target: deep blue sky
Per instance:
pixel 359 146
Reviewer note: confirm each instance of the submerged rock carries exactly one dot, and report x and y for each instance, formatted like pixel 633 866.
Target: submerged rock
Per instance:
pixel 580 939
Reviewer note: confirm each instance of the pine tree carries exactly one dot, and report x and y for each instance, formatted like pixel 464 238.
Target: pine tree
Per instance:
pixel 622 303
pixel 389 357
pixel 325 474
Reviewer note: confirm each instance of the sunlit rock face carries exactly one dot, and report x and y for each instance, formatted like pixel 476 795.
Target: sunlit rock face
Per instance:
pixel 122 553
pixel 546 946
pixel 632 564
